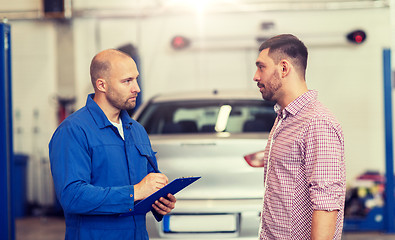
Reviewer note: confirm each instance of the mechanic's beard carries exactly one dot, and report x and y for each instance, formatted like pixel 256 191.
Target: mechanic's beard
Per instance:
pixel 129 106
pixel 119 103
pixel 125 105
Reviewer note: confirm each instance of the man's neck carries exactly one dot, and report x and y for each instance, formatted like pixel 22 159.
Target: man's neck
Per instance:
pixel 293 93
pixel 111 113
pixel 113 117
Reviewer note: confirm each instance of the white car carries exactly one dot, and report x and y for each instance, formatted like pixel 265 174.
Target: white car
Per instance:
pixel 220 136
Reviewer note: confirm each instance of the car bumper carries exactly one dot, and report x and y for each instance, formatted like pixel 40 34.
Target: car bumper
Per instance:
pixel 190 213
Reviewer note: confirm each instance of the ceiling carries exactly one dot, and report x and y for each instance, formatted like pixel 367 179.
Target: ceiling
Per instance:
pixel 32 9
pixel 167 7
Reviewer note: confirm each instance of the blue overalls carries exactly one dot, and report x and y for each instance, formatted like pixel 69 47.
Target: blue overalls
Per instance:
pixel 94 171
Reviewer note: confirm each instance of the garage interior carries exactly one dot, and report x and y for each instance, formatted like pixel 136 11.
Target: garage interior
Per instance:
pixel 189 45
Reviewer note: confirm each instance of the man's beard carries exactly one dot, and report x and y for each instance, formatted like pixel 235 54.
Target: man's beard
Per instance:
pixel 116 101
pixel 272 87
pixel 124 105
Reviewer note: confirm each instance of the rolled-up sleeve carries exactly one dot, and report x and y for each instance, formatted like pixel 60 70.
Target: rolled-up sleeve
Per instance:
pixel 325 166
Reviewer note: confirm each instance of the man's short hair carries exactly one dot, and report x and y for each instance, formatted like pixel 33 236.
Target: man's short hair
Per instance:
pixel 99 69
pixel 101 64
pixel 287 46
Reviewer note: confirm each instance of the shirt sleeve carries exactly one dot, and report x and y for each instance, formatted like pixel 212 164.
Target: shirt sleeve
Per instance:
pixel 71 171
pixel 325 167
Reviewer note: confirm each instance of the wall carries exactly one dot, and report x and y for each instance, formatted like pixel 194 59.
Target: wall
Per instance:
pixel 222 55
pixel 34 100
pixel 348 78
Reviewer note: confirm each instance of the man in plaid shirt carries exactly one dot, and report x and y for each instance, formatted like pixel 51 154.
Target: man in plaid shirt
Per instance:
pixel 304 158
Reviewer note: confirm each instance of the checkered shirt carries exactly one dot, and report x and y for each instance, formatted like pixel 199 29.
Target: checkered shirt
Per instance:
pixel 304 170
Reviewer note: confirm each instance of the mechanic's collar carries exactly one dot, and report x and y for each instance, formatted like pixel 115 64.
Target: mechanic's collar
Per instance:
pixel 101 118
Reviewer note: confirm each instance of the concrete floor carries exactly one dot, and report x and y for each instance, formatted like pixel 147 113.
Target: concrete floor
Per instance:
pixel 53 228
pixel 39 228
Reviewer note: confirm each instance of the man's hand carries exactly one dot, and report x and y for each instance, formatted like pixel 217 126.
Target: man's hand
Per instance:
pixel 150 184
pixel 164 205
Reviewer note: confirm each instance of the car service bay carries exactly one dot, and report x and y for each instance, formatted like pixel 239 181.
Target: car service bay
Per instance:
pixel 198 103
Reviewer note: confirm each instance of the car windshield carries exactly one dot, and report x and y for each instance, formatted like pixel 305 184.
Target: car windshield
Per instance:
pixel 186 117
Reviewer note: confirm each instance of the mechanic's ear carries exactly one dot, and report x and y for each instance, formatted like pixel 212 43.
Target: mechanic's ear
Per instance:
pixel 101 84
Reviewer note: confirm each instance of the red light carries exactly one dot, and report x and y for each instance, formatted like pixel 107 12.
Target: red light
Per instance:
pixel 179 42
pixel 255 159
pixel 358 38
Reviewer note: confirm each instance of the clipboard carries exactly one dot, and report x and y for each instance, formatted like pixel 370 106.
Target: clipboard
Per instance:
pixel 145 205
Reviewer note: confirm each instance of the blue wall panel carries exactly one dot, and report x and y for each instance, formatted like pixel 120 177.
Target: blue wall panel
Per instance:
pixel 7 229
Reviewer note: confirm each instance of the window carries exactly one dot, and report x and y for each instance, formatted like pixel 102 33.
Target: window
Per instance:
pixel 209 116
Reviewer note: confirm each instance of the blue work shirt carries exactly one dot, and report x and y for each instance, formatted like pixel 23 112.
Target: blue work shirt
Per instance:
pixel 94 171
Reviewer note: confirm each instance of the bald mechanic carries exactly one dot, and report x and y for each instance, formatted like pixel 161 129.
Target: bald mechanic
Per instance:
pixel 98 158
